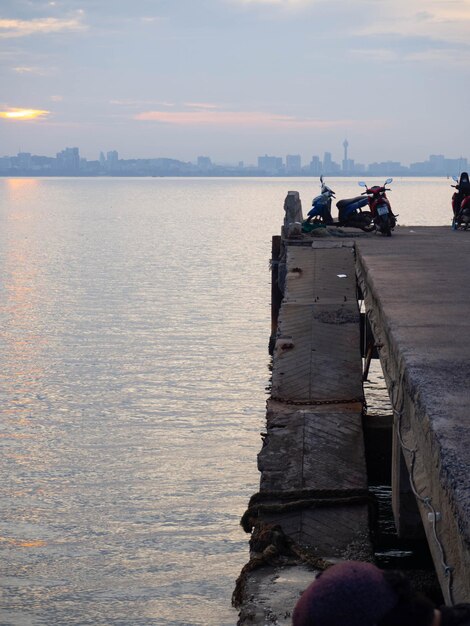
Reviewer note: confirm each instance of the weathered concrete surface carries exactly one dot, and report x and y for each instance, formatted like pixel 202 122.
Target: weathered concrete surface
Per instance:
pixel 307 367
pixel 313 473
pixel 317 434
pixel 416 289
pixel 317 449
pixel 317 350
pixel 273 593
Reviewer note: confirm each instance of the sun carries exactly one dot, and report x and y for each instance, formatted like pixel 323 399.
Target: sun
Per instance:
pixel 23 114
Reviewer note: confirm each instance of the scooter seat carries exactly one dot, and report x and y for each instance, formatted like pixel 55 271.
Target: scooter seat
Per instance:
pixel 361 200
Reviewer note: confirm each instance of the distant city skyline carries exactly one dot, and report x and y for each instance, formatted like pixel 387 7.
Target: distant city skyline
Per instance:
pixel 336 155
pixel 236 78
pixel 69 162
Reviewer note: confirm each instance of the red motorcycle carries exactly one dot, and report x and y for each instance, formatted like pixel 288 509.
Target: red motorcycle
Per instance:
pixel 380 207
pixel 461 202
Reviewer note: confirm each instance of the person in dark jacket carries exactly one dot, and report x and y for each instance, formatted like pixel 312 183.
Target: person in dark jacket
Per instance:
pixel 462 191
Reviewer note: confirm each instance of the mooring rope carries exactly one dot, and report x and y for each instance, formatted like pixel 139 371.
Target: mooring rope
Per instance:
pixel 316 402
pixel 270 546
pixel 268 541
pixel 285 501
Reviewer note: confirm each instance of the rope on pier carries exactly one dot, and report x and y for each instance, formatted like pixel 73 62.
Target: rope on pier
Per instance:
pixel 270 546
pixel 269 543
pixel 285 501
pixel 316 402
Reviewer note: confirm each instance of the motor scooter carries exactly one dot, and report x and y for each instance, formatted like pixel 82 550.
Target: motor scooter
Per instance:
pixel 382 215
pixel 349 210
pixel 461 202
pixel 321 206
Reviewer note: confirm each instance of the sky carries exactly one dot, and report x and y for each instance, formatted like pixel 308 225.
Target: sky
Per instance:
pixel 236 79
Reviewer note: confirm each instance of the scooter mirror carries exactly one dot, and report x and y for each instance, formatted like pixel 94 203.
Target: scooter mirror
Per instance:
pixel 455 178
pixel 388 181
pixel 361 183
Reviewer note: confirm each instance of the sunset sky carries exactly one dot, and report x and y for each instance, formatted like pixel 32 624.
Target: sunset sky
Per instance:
pixel 234 79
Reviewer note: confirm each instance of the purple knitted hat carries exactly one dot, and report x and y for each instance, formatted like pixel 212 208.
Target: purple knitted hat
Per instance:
pixel 351 593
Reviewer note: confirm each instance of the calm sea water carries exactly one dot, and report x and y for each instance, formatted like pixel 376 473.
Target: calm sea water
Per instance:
pixel 135 317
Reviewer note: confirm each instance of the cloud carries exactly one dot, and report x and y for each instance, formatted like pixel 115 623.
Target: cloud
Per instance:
pixel 25 70
pixel 379 55
pixel 10 28
pixel 275 9
pixel 435 32
pixel 32 70
pixel 202 105
pixel 393 47
pixel 441 20
pixel 23 114
pixel 210 117
pixel 281 3
pixel 140 103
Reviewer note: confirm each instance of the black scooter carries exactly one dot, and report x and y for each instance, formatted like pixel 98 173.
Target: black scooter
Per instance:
pixel 350 212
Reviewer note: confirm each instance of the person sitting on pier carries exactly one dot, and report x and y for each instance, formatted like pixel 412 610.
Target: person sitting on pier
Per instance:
pixel 463 190
pixel 354 593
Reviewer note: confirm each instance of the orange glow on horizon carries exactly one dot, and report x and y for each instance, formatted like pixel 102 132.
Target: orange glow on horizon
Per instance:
pixel 23 114
pixel 236 118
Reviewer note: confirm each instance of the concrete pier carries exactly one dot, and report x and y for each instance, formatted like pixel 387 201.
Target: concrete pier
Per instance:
pixel 416 292
pixel 313 486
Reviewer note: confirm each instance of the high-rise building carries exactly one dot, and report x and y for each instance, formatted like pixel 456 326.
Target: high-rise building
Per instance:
pixel 315 166
pixel 112 155
pixel 330 166
pixel 112 159
pixel 204 162
pixel 293 164
pixel 68 160
pixel 270 164
pixel 23 160
pixel 327 163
